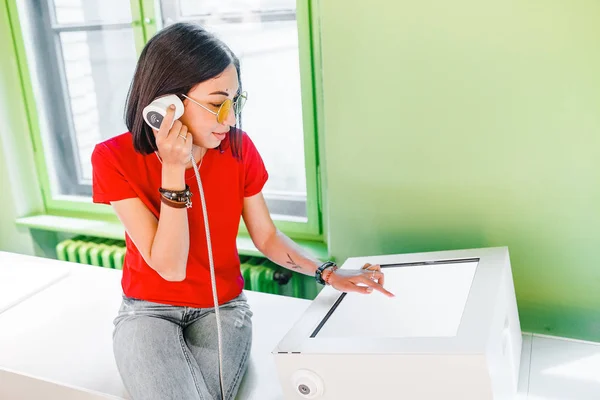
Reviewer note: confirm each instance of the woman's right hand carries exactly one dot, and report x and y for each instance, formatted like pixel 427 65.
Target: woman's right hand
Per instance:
pixel 175 144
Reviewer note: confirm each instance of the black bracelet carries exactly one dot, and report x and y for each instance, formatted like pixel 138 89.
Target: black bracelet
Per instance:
pixel 319 271
pixel 180 192
pixel 176 195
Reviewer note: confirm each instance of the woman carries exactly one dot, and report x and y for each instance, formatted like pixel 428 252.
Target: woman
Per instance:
pixel 165 333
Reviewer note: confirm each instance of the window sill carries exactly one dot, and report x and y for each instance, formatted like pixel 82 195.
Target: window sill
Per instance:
pixel 114 230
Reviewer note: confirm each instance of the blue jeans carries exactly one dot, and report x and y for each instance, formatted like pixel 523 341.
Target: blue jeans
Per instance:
pixel 170 352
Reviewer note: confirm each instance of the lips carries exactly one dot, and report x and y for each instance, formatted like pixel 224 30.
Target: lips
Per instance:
pixel 220 136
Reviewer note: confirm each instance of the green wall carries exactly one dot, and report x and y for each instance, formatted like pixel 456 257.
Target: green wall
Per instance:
pixel 11 239
pixel 19 193
pixel 466 124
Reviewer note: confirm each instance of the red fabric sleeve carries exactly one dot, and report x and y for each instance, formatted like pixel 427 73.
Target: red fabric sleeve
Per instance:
pixel 256 173
pixel 108 182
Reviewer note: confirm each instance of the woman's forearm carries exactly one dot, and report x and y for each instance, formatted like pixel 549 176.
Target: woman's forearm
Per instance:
pixel 283 251
pixel 171 243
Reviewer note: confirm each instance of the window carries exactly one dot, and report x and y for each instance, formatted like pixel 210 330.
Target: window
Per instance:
pixel 264 35
pixel 82 55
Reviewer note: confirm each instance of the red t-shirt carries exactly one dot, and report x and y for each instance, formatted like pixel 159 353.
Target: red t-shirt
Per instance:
pixel 119 172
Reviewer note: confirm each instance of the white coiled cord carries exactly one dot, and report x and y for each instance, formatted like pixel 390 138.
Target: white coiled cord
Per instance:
pixel 213 278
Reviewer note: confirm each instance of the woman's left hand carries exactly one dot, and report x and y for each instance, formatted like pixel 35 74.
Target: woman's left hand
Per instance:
pixel 364 280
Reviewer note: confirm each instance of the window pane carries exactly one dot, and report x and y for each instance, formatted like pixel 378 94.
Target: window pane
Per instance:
pixel 195 8
pixel 98 67
pixel 69 12
pixel 263 34
pixel 80 92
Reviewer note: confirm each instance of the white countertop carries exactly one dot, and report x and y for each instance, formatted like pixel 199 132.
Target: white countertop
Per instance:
pixel 56 339
pixel 63 332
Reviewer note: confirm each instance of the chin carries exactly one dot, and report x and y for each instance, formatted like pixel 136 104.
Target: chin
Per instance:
pixel 213 143
pixel 210 142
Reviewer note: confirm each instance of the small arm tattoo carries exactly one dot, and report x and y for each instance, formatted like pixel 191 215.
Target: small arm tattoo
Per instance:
pixel 292 263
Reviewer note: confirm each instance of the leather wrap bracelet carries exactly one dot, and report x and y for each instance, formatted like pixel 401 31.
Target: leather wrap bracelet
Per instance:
pixel 176 195
pixel 176 198
pixel 174 204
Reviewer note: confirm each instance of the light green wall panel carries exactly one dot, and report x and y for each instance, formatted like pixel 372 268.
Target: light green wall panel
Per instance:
pixel 12 238
pixel 467 124
pixel 19 188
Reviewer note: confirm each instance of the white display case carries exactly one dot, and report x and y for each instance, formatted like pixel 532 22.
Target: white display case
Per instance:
pixel 452 331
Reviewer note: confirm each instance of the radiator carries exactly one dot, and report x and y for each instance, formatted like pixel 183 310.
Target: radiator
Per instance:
pixel 260 274
pixel 108 253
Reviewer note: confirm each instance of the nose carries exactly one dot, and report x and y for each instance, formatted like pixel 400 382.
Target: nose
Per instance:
pixel 231 119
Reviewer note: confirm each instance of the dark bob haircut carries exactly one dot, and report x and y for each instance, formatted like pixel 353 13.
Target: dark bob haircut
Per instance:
pixel 175 60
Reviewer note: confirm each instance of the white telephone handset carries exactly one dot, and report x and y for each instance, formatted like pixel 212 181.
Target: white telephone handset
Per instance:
pixel 154 114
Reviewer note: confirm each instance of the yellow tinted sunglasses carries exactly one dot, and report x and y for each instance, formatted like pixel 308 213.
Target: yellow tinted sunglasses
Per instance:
pixel 225 108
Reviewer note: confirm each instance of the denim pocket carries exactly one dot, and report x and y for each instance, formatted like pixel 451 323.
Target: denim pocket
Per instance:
pixel 241 310
pixel 132 307
pixel 243 317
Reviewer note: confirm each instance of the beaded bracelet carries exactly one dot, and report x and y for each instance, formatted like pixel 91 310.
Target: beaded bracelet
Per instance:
pixel 328 272
pixel 319 272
